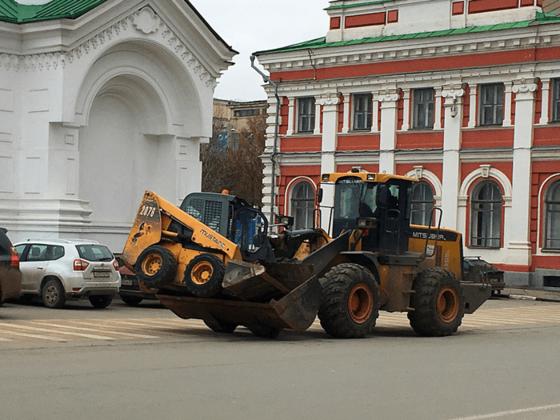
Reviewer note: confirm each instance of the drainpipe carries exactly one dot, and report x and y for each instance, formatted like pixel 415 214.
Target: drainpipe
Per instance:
pixel 274 154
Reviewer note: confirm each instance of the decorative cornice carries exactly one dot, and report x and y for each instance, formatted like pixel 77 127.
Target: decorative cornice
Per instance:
pixel 329 100
pixel 145 21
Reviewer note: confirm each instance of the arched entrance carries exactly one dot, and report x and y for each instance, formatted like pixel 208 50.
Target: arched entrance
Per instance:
pixel 122 155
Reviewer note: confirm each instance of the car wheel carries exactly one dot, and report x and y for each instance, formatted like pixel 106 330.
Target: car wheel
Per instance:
pixel 100 302
pixel 53 294
pixel 132 300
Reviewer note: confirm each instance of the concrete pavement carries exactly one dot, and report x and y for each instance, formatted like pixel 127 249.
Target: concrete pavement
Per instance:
pixel 502 362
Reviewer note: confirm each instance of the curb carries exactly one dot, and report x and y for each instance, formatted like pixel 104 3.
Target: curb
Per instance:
pixel 532 295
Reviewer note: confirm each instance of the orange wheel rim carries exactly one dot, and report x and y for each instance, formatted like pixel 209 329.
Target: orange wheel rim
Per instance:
pixel 202 272
pixel 152 264
pixel 360 303
pixel 447 304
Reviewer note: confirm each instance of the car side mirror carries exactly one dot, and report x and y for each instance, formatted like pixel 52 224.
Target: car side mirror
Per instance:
pixel 320 195
pixel 383 196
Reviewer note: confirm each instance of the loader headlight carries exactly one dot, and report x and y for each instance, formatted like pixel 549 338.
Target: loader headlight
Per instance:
pixel 325 178
pixel 371 177
pixel 367 222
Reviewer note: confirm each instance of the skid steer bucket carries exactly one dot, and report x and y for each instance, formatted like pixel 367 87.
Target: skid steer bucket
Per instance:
pixel 297 310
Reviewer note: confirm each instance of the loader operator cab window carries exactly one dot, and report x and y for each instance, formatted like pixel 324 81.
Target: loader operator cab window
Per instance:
pixel 354 199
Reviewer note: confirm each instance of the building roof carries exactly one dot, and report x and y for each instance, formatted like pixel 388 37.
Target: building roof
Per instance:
pixel 13 12
pixel 542 18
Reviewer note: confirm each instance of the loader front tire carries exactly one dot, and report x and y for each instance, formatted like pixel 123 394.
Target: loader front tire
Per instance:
pixel 204 276
pixel 264 331
pixel 438 303
pixel 156 266
pixel 350 301
pixel 219 326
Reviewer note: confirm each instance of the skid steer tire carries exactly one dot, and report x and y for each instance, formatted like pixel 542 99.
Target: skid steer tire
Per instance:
pixel 219 326
pixel 204 276
pixel 156 266
pixel 264 331
pixel 350 301
pixel 438 303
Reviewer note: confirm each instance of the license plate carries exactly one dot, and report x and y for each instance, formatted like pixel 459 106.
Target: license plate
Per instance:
pixel 101 274
pixel 127 282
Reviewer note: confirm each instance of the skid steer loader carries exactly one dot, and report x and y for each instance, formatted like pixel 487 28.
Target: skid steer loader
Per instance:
pixel 376 261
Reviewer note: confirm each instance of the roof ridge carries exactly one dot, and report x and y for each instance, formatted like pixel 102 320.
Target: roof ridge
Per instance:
pixel 541 18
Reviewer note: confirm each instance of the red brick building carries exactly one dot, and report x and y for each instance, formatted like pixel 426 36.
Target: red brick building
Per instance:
pixel 465 95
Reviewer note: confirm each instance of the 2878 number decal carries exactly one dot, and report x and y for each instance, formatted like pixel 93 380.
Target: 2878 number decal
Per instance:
pixel 148 211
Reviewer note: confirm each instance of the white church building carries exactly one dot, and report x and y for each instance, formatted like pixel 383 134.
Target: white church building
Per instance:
pixel 99 101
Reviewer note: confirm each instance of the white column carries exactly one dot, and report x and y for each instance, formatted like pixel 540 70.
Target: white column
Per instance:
pixel 328 164
pixel 451 159
pixel 388 132
pixel 406 110
pixel 472 106
pixel 517 231
pixel 507 105
pixel 545 103
pixel 375 114
pixel 437 113
pixel 317 130
pixel 291 116
pixel 346 122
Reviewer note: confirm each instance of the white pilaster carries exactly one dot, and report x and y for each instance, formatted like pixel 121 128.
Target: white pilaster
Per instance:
pixel 545 117
pixel 346 123
pixel 451 159
pixel 328 164
pixel 507 105
pixel 437 110
pixel 472 105
pixel 406 110
pixel 375 114
pixel 517 231
pixel 291 116
pixel 317 129
pixel 388 132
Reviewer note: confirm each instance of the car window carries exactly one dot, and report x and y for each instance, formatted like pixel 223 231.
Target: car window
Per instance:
pixel 54 253
pixel 20 249
pixel 37 253
pixel 94 253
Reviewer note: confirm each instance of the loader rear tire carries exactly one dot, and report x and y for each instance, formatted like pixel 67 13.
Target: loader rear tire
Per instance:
pixel 219 326
pixel 204 276
pixel 156 266
pixel 350 301
pixel 438 303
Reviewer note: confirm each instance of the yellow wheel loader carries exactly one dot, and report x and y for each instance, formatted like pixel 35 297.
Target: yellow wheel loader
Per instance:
pixel 376 260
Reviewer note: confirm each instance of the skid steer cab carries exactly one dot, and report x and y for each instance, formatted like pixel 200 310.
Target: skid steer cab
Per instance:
pixel 186 248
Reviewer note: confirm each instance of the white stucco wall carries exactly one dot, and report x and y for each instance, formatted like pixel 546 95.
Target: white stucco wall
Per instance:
pixel 87 126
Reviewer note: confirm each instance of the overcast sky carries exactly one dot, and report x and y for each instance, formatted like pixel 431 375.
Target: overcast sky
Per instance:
pixel 253 25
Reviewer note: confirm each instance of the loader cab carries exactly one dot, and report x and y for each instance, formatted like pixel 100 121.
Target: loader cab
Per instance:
pixel 378 204
pixel 232 218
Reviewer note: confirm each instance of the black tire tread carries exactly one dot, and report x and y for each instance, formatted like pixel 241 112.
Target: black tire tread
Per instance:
pixel 100 301
pixel 424 319
pixel 220 327
pixel 333 312
pixel 214 286
pixel 167 273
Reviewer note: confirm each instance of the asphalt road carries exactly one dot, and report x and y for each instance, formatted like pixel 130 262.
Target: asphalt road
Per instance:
pixel 504 363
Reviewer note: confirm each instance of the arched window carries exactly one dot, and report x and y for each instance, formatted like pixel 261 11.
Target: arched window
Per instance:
pixel 552 232
pixel 486 215
pixel 421 204
pixel 303 205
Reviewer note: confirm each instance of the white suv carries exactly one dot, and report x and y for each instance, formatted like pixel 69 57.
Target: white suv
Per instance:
pixel 59 269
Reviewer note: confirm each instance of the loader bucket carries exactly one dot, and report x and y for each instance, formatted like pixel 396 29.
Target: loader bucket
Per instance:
pixel 261 282
pixel 297 310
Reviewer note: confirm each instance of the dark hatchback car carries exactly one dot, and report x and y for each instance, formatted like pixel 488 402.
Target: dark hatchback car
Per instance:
pixel 130 292
pixel 478 270
pixel 10 276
